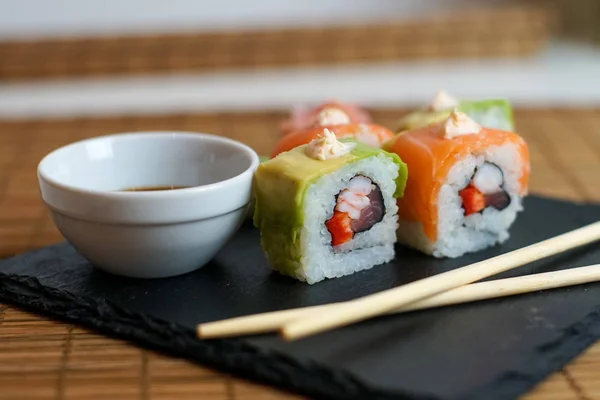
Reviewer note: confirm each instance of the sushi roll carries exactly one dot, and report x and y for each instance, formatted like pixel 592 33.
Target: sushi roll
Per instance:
pixel 328 208
pixel 465 186
pixel 327 113
pixel 250 213
pixel 371 134
pixel 490 113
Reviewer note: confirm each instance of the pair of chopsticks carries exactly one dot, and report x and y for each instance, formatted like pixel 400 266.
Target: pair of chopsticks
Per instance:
pixel 448 288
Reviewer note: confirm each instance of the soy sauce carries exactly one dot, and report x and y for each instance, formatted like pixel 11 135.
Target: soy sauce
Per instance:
pixel 153 188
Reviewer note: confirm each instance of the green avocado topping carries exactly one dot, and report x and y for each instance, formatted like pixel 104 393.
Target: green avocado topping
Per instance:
pixel 490 113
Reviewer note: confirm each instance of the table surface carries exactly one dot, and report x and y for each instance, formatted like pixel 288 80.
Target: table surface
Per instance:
pixel 46 359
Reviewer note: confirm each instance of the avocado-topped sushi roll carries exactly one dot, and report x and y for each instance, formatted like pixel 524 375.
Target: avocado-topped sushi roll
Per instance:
pixel 465 186
pixel 328 208
pixel 490 113
pixel 250 214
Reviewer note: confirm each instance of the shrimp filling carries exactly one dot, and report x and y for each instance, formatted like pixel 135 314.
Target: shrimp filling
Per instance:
pixel 358 208
pixel 485 190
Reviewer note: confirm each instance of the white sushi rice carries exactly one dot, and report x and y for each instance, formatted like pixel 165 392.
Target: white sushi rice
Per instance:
pixel 458 234
pixel 366 249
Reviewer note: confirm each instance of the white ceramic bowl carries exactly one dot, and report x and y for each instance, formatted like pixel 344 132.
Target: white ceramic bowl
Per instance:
pixel 148 234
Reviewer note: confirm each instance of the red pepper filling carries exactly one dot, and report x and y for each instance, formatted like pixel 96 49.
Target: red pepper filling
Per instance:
pixel 473 200
pixel 340 228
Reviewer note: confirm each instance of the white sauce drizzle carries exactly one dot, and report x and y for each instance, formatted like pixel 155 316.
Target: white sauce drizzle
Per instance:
pixel 458 124
pixel 333 116
pixel 443 101
pixel 327 146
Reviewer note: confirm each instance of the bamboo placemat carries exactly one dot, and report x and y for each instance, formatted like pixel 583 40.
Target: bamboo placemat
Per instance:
pixel 578 19
pixel 43 359
pixel 513 31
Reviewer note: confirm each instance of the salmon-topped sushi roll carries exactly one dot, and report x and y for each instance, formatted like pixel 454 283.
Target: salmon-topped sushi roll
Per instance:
pixel 328 113
pixel 370 134
pixel 465 185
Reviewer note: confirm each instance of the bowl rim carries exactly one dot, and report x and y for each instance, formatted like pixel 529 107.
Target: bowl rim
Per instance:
pixel 115 194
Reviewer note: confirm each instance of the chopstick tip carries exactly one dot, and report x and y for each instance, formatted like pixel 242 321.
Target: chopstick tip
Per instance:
pixel 204 332
pixel 199 333
pixel 290 333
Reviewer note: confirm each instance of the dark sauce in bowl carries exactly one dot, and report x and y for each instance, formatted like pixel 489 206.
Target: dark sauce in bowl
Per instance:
pixel 152 188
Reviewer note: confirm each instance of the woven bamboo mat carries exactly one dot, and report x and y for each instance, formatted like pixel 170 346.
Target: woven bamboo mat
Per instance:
pixel 510 32
pixel 578 19
pixel 44 359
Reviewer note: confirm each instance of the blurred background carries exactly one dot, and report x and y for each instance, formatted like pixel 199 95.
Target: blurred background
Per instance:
pixel 77 58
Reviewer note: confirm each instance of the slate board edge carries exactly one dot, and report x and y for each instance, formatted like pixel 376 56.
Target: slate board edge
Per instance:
pixel 227 355
pixel 272 368
pixel 550 357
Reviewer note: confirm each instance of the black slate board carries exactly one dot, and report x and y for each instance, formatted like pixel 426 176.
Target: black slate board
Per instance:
pixel 495 349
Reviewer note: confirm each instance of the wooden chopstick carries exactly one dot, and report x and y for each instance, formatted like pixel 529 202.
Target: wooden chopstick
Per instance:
pixel 271 321
pixel 380 303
